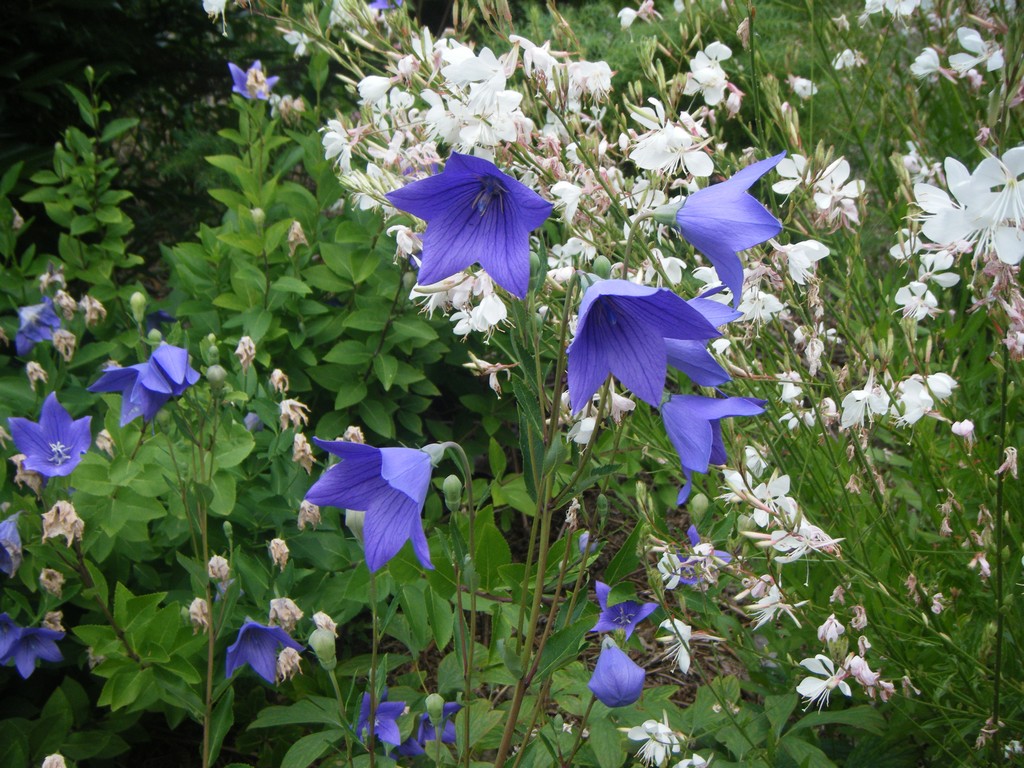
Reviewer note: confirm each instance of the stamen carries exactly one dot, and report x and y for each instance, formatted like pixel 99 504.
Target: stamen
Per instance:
pixel 491 189
pixel 59 453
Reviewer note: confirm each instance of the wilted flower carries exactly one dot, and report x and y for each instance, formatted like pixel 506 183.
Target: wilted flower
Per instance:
pixel 278 552
pixel 35 373
pixel 23 477
pixel 56 760
pixel 51 581
pixel 617 681
pixel 385 720
pixel 285 613
pixel 199 615
pixel 54 620
pixel 37 322
pixel 54 446
pixel 219 569
pixel 325 622
pixel 301 452
pixel 93 309
pixel 145 387
pixel 65 342
pixel 257 646
pixel 245 352
pixel 66 302
pixel 389 485
pixel 63 520
pixel 23 645
pixel 622 330
pixel 251 83
pixel 279 381
pixel 10 545
pixel 309 514
pixel 474 214
pixel 296 237
pixel 723 219
pixel 288 664
pixel 625 615
pixel 294 413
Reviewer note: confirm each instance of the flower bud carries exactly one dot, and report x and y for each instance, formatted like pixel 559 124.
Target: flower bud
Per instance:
pixel 602 267
pixel 56 760
pixel 666 214
pixel 452 487
pixel 323 645
pixel 354 521
pixel 154 336
pixel 698 504
pixel 435 709
pixel 258 216
pixel 216 375
pixel 138 303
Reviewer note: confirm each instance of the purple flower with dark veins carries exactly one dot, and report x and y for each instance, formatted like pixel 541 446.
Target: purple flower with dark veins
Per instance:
pixel 475 214
pixel 625 615
pixel 251 83
pixel 24 645
pixel 37 322
pixel 617 681
pixel 385 720
pixel 389 485
pixel 622 330
pixel 55 445
pixel 723 219
pixel 257 645
pixel 145 387
pixel 694 426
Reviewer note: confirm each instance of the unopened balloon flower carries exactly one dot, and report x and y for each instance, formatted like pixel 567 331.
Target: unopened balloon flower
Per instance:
pixel 145 387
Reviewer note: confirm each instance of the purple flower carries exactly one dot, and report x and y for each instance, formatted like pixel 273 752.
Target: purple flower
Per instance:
pixel 474 214
pixel 251 83
pixel 625 615
pixel 23 645
pixel 426 731
pixel 385 720
pixel 145 387
pixel 622 330
pixel 586 546
pixel 693 426
pixel 10 545
pixel 721 220
pixel 389 484
pixel 55 445
pixel 701 565
pixel 385 5
pixel 617 681
pixel 692 357
pixel 257 646
pixel 37 322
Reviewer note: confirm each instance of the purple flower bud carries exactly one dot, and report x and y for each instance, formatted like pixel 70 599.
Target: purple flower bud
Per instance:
pixel 617 680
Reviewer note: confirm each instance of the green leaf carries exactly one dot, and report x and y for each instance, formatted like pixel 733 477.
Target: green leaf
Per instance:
pixel 234 443
pixel 376 416
pixel 385 366
pixel 286 284
pixel 864 717
pixel 117 127
pixel 221 722
pixel 606 743
pixel 806 755
pixel 314 710
pixel 309 748
pixel 778 708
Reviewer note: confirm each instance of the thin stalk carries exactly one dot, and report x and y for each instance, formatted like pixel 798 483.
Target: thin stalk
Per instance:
pixel 372 719
pixel 998 565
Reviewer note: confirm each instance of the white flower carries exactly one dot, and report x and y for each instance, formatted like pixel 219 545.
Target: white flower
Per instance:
pixel 590 78
pixel 760 306
pixel 660 741
pixel 678 641
pixel 802 257
pixel 830 630
pixel 706 74
pixel 795 173
pixel 816 689
pixel 926 64
pixel 583 430
pixel 336 144
pixel 626 17
pixel 984 52
pixel 771 604
pixel 847 59
pixel 373 90
pixel 667 145
pixel 802 87
pixel 870 401
pixel 832 193
pixel 917 301
pixel 300 40
pixel 693 761
pixel 568 195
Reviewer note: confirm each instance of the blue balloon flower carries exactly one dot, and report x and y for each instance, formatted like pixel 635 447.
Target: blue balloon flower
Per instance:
pixel 474 214
pixel 694 426
pixel 622 329
pixel 55 445
pixel 389 485
pixel 426 731
pixel 617 681
pixel 10 545
pixel 37 322
pixel 625 615
pixel 251 83
pixel 24 645
pixel 257 645
pixel 723 219
pixel 385 720
pixel 145 387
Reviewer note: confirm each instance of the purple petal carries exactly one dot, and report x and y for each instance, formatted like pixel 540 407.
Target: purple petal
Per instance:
pixel 390 522
pixel 617 680
pixel 407 470
pixel 603 590
pixel 693 359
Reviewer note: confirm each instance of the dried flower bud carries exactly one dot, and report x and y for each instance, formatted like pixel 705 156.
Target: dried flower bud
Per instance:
pixel 51 581
pixel 309 514
pixel 325 622
pixel 279 381
pixel 51 277
pixel 284 612
pixel 94 310
pixel 64 342
pixel 278 552
pixel 219 569
pixel 1009 462
pixel 572 515
pixel 294 413
pixel 68 305
pixel 56 760
pixel 296 237
pixel 199 615
pixel 288 664
pixel 26 477
pixel 301 452
pixel 63 520
pixel 354 435
pixel 860 617
pixel 36 373
pixel 52 620
pixel 105 442
pixel 245 352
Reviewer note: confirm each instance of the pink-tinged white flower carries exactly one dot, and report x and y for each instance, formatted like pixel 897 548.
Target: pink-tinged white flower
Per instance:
pixel 760 306
pixel 770 605
pixel 830 630
pixel 964 429
pixel 933 269
pixel 981 52
pixel 589 78
pixel 538 61
pixel 848 59
pixel 660 742
pixel 858 668
pixel 796 543
pixel 917 301
pixel 706 74
pixel 870 401
pixel 817 689
pixel 802 257
pixel 667 145
pixel 802 87
pixel 795 172
pixel 926 64
pixel 834 195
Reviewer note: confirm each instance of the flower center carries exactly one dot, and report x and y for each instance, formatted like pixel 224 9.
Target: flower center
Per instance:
pixel 491 190
pixel 624 616
pixel 59 453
